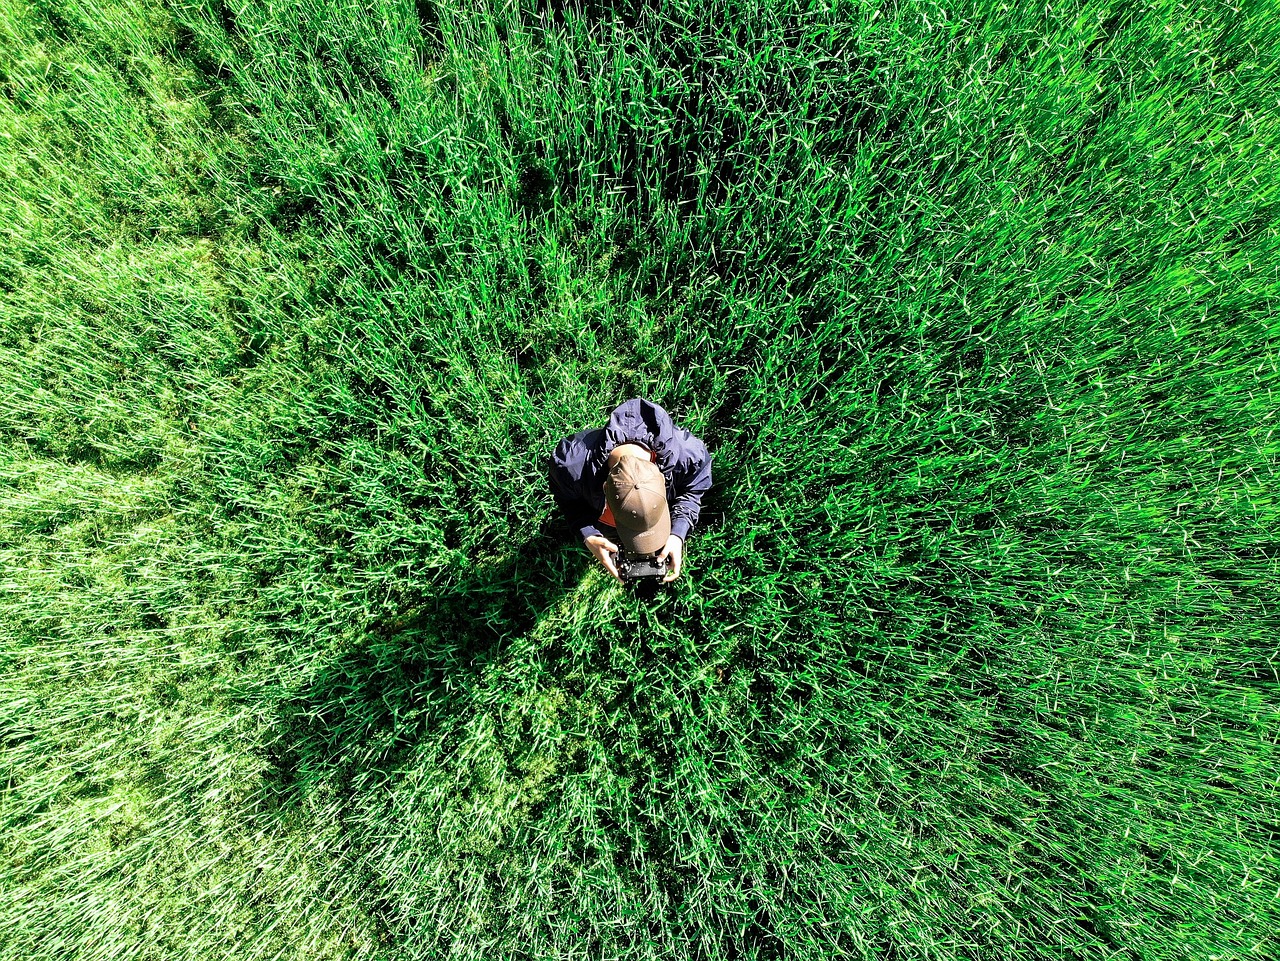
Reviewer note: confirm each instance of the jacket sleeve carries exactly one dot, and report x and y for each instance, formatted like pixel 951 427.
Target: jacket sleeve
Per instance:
pixel 577 510
pixel 692 479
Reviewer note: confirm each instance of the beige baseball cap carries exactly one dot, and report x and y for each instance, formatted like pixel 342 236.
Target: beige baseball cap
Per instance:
pixel 636 493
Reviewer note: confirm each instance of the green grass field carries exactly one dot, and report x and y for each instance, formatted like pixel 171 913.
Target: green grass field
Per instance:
pixel 975 652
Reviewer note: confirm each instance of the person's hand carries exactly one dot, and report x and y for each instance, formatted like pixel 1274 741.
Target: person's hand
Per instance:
pixel 603 549
pixel 674 552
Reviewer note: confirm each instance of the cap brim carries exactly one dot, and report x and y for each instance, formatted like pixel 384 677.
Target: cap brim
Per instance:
pixel 650 541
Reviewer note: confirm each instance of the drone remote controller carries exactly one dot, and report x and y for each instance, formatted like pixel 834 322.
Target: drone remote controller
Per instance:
pixel 631 566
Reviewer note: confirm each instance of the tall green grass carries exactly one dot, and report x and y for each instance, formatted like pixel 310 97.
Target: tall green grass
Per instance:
pixel 975 651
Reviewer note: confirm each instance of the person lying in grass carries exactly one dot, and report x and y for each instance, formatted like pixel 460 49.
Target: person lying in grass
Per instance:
pixel 638 480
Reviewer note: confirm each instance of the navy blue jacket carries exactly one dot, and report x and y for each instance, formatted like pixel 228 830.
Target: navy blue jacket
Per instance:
pixel 577 468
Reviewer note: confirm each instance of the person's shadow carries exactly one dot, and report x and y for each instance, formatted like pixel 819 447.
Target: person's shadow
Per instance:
pixel 414 668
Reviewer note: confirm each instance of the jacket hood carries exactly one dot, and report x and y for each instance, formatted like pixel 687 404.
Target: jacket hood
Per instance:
pixel 638 421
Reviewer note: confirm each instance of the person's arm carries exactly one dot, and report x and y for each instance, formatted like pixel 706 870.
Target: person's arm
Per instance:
pixel 574 507
pixel 692 480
